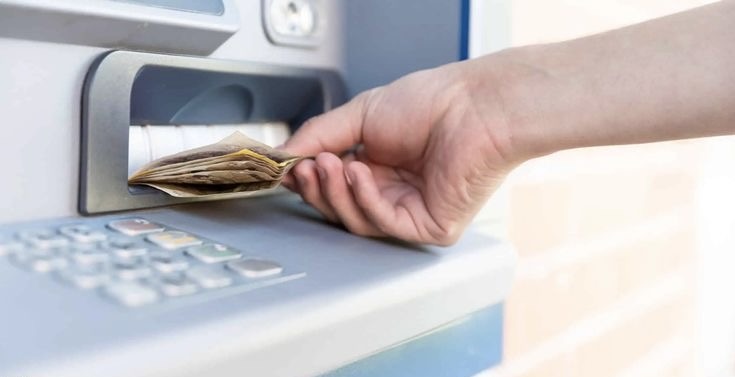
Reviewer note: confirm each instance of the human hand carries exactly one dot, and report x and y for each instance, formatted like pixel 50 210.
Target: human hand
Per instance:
pixel 428 156
pixel 432 146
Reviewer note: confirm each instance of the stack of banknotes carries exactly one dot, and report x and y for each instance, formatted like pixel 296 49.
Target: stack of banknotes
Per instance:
pixel 234 164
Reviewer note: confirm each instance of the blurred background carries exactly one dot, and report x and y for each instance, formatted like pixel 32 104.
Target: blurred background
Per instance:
pixel 626 262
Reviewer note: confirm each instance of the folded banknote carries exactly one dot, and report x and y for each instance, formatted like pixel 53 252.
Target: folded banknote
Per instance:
pixel 235 164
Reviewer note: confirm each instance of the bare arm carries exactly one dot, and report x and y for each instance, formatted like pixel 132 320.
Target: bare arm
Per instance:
pixel 669 78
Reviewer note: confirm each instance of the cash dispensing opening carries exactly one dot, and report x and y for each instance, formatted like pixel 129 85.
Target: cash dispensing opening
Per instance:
pixel 173 103
pixel 174 109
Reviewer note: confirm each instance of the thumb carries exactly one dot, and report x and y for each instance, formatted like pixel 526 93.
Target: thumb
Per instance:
pixel 334 131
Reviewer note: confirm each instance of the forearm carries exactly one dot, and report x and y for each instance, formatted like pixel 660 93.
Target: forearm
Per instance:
pixel 669 78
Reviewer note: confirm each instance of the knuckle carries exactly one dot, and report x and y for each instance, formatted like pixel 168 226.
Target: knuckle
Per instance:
pixel 311 121
pixel 446 236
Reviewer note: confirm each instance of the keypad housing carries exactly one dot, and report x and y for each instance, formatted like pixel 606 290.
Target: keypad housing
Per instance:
pixel 136 262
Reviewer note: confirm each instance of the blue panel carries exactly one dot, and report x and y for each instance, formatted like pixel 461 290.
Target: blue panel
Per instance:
pixel 462 350
pixel 213 7
pixel 386 39
pixel 464 30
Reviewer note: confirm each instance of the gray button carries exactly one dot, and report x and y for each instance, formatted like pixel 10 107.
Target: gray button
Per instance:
pixel 255 268
pixel 131 293
pixel 132 269
pixel 42 253
pixel 133 273
pixel 213 253
pixel 173 285
pixel 43 239
pixel 82 233
pixel 40 264
pixel 89 256
pixel 8 247
pixel 130 262
pixel 210 276
pixel 167 262
pixel 126 248
pixel 173 239
pixel 136 226
pixel 86 277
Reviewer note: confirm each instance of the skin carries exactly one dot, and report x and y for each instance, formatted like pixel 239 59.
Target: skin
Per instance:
pixel 416 159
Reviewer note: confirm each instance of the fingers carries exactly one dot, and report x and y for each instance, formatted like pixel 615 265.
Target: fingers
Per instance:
pixel 334 131
pixel 336 191
pixel 307 184
pixel 378 210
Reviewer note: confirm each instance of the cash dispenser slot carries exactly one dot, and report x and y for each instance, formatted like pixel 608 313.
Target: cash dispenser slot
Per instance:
pixel 139 106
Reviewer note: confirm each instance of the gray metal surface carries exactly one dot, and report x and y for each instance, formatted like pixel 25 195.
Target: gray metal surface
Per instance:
pixel 166 88
pixel 359 297
pixel 115 24
pixel 41 91
pixel 213 7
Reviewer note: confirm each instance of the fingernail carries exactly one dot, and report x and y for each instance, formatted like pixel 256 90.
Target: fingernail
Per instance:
pixel 348 177
pixel 322 173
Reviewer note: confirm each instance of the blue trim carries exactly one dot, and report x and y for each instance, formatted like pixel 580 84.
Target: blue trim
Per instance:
pixel 463 349
pixel 464 30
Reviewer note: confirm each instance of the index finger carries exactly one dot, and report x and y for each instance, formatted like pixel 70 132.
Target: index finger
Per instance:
pixel 334 131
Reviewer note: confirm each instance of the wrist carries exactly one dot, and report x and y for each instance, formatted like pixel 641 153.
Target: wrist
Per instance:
pixel 520 86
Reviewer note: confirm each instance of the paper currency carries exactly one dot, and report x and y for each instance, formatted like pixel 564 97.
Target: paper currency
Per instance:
pixel 235 164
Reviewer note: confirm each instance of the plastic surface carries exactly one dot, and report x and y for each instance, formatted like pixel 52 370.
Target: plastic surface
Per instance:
pixel 360 296
pixel 123 24
pixel 463 348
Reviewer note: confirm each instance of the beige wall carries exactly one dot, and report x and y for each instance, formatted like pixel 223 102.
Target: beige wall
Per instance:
pixel 610 275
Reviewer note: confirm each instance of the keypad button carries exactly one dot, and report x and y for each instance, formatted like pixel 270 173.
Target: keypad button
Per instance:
pixel 132 269
pixel 135 227
pixel 89 256
pixel 173 239
pixel 131 293
pixel 82 233
pixel 126 248
pixel 174 285
pixel 43 239
pixel 86 277
pixel 213 253
pixel 210 276
pixel 9 247
pixel 42 253
pixel 40 264
pixel 255 268
pixel 130 262
pixel 133 273
pixel 167 262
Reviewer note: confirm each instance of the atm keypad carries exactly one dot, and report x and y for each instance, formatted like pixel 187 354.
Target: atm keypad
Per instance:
pixel 136 262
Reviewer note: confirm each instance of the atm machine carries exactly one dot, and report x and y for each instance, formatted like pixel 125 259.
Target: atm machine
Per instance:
pixel 98 278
